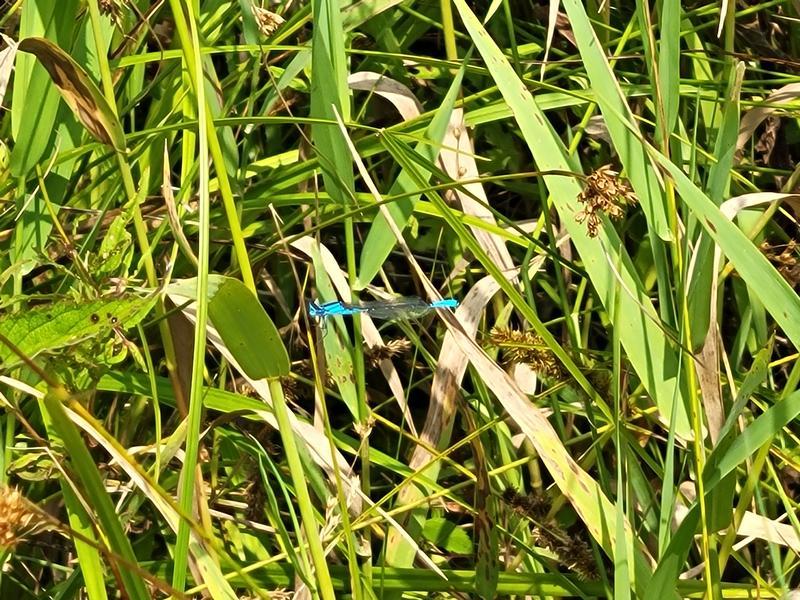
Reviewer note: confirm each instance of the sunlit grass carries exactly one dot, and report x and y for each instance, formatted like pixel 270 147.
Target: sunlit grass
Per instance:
pixel 608 412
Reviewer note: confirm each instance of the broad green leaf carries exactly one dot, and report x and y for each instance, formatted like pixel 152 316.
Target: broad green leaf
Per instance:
pixel 48 327
pixel 34 102
pixel 446 535
pixel 78 91
pixel 246 329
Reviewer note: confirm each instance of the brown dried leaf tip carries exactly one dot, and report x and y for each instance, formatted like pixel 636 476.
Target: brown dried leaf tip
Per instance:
pixel 267 21
pixel 605 193
pixel 388 350
pixel 15 517
pixel 527 347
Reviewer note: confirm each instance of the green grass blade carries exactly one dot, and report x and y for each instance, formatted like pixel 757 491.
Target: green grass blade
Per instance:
pixel 380 239
pixel 336 341
pixel 329 94
pixel 718 467
pixel 94 488
pixel 760 276
pixel 620 122
pixel 88 556
pixel 646 346
pixel 669 55
pixel 699 298
pixel 34 100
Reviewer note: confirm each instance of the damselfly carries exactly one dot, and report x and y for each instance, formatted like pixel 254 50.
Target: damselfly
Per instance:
pixel 396 308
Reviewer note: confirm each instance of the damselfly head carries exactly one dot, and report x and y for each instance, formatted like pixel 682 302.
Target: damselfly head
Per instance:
pixel 315 310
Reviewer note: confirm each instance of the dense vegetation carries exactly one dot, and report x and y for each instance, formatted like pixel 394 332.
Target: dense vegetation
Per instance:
pixel 606 189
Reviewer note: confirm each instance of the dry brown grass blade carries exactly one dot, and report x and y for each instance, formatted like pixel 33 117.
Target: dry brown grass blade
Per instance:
pixel 395 92
pixel 707 365
pixel 752 527
pixel 371 335
pixel 585 495
pixel 731 207
pixel 753 117
pixel 6 64
pixel 78 90
pixel 457 159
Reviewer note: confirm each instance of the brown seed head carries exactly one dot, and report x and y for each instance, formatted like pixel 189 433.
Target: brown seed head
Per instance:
pixel 15 516
pixel 605 193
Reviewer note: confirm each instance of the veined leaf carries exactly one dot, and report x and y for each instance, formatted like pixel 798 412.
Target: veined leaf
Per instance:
pixel 52 326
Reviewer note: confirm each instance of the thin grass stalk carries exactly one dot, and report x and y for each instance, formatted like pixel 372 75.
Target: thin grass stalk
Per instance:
pixel 623 555
pixel 310 529
pixel 140 228
pixel 226 192
pixel 188 484
pixel 364 413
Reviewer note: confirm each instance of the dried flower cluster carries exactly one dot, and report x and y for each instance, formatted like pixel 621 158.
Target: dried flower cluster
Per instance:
pixel 573 552
pixel 291 388
pixel 267 21
pixel 535 506
pixel 111 8
pixel 388 350
pixel 605 193
pixel 785 262
pixel 528 348
pixel 15 517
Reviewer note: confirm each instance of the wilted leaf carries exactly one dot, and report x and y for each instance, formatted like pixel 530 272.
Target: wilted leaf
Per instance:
pixel 6 64
pixel 78 91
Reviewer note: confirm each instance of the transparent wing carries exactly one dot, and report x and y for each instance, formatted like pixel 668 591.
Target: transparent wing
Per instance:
pixel 397 308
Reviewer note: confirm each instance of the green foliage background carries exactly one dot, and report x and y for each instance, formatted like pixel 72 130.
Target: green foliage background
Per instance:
pixel 608 189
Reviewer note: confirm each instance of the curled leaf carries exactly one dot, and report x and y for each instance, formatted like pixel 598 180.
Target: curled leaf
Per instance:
pixel 78 91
